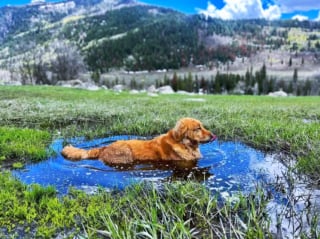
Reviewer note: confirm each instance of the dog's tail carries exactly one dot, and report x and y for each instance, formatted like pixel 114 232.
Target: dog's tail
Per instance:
pixel 76 154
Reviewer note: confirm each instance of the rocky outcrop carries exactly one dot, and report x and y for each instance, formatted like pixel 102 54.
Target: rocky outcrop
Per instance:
pixel 279 93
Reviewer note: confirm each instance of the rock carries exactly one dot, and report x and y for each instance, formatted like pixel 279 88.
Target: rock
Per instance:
pixel 279 93
pixel 71 83
pixel 13 83
pixel 118 88
pixel 182 92
pixel 79 84
pixel 167 89
pixel 152 89
pixel 134 92
pixel 92 87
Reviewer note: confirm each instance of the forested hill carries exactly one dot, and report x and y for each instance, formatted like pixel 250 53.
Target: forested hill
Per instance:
pixel 132 36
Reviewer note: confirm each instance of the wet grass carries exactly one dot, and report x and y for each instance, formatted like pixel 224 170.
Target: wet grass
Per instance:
pixel 30 117
pixel 22 144
pixel 176 210
pixel 289 124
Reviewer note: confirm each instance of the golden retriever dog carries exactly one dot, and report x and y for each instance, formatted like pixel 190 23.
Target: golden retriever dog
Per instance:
pixel 180 143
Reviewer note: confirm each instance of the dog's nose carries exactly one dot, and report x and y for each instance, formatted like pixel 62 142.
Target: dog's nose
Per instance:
pixel 213 137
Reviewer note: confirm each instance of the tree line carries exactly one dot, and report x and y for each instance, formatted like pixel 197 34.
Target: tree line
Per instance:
pixel 252 83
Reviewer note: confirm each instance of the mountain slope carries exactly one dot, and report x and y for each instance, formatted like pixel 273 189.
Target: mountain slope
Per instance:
pixel 116 34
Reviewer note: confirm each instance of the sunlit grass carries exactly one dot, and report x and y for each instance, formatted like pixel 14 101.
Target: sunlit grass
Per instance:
pixel 30 117
pixel 278 124
pixel 70 19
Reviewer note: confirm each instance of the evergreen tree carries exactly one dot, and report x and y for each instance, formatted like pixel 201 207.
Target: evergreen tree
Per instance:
pixel 259 82
pixel 133 84
pixel 289 89
pixel 189 83
pixel 290 62
pixel 203 85
pixel 307 87
pixel 196 85
pixel 264 79
pixel 95 76
pixel 174 81
pixel 217 84
pixel 180 84
pixel 295 80
pixel 211 85
pixel 247 79
pixel 271 86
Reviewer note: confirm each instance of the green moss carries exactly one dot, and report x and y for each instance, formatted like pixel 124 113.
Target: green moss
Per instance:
pixel 16 143
pixel 17 165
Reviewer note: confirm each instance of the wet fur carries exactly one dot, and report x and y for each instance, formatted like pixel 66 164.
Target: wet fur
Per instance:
pixel 180 143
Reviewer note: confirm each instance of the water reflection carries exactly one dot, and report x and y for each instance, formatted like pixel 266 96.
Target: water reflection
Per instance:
pixel 225 166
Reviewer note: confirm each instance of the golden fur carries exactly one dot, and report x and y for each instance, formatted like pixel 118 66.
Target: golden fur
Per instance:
pixel 180 143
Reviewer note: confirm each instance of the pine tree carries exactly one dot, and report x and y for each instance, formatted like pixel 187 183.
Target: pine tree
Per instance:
pixel 259 81
pixel 307 87
pixel 211 85
pixel 217 85
pixel 295 81
pixel 133 84
pixel 189 83
pixel 196 85
pixel 290 62
pixel 174 82
pixel 203 85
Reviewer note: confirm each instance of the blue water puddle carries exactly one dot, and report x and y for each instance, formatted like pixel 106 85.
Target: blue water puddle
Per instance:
pixel 226 167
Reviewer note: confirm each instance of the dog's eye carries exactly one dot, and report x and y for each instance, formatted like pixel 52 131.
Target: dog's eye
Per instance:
pixel 197 129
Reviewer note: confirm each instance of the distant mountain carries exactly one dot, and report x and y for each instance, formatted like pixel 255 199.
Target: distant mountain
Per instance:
pixel 17 19
pixel 125 34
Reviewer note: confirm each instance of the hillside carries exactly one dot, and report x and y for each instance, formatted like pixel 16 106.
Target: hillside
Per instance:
pixel 50 42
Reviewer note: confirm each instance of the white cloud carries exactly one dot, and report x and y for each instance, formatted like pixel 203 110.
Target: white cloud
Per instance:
pixel 272 12
pixel 318 18
pixel 37 1
pixel 242 9
pixel 300 17
pixel 288 6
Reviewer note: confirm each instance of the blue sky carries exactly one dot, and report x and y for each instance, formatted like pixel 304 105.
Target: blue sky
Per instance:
pixel 233 9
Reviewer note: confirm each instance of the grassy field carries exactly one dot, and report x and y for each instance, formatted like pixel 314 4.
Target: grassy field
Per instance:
pixel 31 117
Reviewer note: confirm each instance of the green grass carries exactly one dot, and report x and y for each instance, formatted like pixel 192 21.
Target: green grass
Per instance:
pixel 276 124
pixel 16 143
pixel 30 117
pixel 178 210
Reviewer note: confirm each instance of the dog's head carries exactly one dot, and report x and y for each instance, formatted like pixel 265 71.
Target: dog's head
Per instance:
pixel 191 131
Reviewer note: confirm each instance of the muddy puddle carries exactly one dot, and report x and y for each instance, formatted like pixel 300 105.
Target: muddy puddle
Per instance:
pixel 226 168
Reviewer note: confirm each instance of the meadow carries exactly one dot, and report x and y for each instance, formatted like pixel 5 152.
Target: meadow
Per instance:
pixel 32 116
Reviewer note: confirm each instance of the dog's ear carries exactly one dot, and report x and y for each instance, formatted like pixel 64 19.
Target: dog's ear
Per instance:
pixel 179 131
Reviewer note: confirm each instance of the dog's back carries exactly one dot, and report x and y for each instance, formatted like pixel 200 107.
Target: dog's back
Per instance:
pixel 179 143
